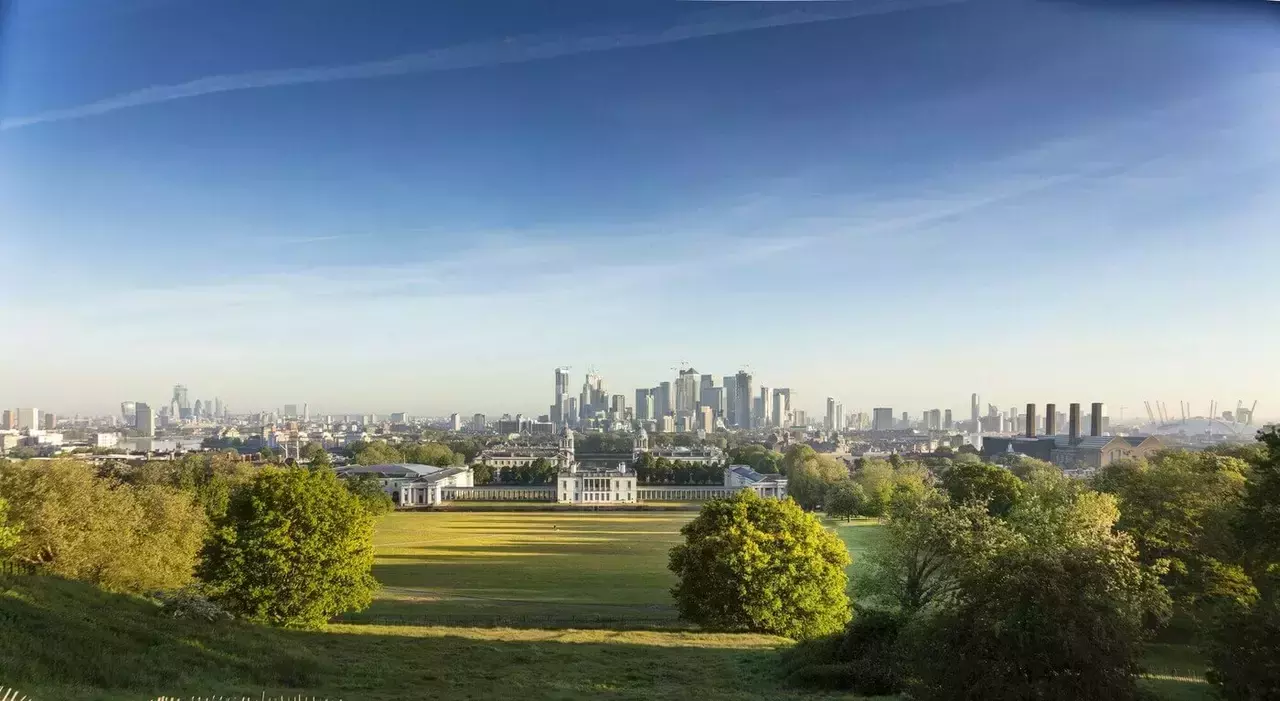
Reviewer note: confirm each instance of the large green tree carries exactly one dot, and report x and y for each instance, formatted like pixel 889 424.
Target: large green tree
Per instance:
pixel 295 548
pixel 9 532
pixel 845 499
pixel 992 486
pixel 926 545
pixel 810 475
pixel 78 525
pixel 1244 644
pixel 760 565
pixel 1062 624
pixel 1178 507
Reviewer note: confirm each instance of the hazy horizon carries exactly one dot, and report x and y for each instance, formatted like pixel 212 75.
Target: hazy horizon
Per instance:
pixel 427 207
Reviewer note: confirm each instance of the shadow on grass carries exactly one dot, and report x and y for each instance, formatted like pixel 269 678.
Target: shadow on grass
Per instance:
pixel 67 640
pixel 534 548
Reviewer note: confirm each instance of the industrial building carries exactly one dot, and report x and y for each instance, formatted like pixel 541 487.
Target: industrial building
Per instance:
pixel 1073 452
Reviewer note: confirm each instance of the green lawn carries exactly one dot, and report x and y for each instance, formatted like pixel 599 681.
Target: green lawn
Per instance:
pixel 556 568
pixel 527 606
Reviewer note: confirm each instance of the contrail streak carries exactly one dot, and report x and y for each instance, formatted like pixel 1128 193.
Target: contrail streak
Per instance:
pixel 490 53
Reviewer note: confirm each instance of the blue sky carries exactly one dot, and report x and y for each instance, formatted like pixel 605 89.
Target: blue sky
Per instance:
pixel 427 206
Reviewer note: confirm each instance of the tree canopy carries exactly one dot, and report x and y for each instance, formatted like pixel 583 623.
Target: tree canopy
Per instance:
pixel 77 525
pixel 992 486
pixel 1040 624
pixel 1178 507
pixel 845 499
pixel 760 565
pixel 810 475
pixel 295 548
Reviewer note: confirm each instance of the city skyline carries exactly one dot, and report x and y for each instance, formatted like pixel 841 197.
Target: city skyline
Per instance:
pixel 821 412
pixel 429 213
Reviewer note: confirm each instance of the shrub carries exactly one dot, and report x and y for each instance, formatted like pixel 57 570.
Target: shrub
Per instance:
pixel 761 565
pixel 862 658
pixel 295 548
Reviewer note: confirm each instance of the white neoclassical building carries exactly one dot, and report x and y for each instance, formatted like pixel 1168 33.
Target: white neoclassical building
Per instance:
pixel 615 485
pixel 414 485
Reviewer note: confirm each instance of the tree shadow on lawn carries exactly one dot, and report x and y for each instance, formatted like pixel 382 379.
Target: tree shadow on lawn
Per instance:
pixel 534 548
pixel 67 640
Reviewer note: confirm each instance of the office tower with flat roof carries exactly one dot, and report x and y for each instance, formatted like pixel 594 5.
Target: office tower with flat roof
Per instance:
pixel 144 420
pixel 28 419
pixel 9 420
pixel 766 407
pixel 744 393
pixel 882 419
pixel 973 410
pixel 730 400
pixel 831 414
pixel 946 420
pixel 706 420
pixel 644 405
pixel 782 407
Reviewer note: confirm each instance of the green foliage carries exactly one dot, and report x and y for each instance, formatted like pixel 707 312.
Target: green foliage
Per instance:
pixel 77 525
pixel 863 658
pixel 760 565
pixel 375 453
pixel 877 480
pixel 760 458
pixel 926 546
pixel 810 475
pixel 437 454
pixel 651 470
pixel 1257 525
pixel 845 499
pixel 993 487
pixel 1031 623
pixel 539 471
pixel 208 477
pixel 604 443
pixel 1177 506
pixel 1244 648
pixel 884 481
pixel 368 489
pixel 315 455
pixel 483 473
pixel 295 548
pixel 10 533
pixel 1244 644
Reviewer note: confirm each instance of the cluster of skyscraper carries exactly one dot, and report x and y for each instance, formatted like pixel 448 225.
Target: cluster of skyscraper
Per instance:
pixel 143 417
pixel 693 401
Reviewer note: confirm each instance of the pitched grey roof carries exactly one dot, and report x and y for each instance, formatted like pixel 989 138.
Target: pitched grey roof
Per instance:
pixel 390 471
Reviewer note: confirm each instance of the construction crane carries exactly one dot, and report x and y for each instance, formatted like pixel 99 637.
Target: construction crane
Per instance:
pixel 1150 415
pixel 1251 410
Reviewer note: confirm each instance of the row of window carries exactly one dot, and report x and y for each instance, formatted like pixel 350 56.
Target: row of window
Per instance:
pixel 591 496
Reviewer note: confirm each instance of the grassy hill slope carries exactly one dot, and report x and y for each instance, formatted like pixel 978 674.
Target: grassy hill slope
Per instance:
pixel 68 640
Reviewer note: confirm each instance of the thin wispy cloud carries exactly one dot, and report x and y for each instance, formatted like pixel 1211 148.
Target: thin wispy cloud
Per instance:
pixel 520 49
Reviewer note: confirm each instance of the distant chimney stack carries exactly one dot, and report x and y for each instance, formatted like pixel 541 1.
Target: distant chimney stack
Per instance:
pixel 1031 421
pixel 1095 419
pixel 1050 419
pixel 1073 422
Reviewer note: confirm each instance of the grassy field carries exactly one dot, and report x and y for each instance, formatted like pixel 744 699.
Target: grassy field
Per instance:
pixel 529 606
pixel 555 568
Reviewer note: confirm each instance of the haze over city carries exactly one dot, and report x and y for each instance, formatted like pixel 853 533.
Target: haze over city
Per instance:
pixel 425 209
